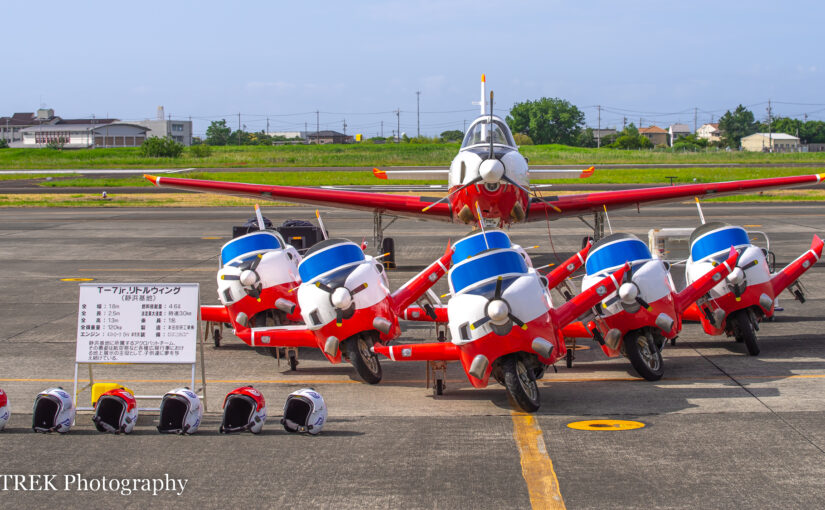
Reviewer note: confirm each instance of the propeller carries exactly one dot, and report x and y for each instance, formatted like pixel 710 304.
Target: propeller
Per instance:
pixel 340 298
pixel 248 277
pixel 628 293
pixel 498 311
pixel 737 279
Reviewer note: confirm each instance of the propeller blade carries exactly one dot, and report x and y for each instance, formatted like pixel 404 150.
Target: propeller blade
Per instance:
pixel 230 277
pixel 497 294
pixel 358 289
pixel 518 322
pixel 339 317
pixel 482 321
pixel 644 304
pixel 256 261
pixel 447 196
pixel 750 264
pixel 255 292
pixel 323 286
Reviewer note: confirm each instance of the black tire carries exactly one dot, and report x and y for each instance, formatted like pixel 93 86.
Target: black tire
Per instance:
pixel 293 361
pixel 673 341
pixel 216 337
pixel 439 386
pixel 388 246
pixel 587 239
pixel 743 331
pixel 645 357
pixel 569 358
pixel 520 383
pixel 365 361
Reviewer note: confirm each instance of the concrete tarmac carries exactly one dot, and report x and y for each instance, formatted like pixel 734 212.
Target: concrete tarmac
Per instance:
pixel 722 429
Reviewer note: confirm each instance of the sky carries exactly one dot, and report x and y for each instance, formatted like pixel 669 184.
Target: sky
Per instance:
pixel 359 61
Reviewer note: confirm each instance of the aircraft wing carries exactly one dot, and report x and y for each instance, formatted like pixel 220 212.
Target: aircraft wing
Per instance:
pixel 583 203
pixel 401 205
pixel 434 174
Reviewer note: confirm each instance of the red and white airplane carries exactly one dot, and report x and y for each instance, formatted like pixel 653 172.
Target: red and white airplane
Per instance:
pixel 488 171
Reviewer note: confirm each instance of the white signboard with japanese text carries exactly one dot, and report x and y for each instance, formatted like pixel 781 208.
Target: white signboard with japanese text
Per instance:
pixel 137 323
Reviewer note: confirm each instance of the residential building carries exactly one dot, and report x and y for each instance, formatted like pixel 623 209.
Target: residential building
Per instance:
pixel 655 134
pixel 676 131
pixel 328 136
pixel 770 142
pixel 288 134
pixel 709 132
pixel 11 128
pixel 82 136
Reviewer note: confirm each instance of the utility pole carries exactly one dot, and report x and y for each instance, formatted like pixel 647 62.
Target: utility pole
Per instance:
pixel 640 122
pixel 695 114
pixel 599 132
pixel 770 128
pixel 398 120
pixel 267 126
pixel 382 129
pixel 317 126
pixel 418 112
pixel 345 128
pixel 624 123
pixel 465 127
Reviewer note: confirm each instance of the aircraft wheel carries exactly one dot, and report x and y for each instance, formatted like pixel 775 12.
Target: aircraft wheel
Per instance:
pixel 569 358
pixel 673 341
pixel 743 331
pixel 439 386
pixel 388 246
pixel 585 240
pixel 216 337
pixel 645 357
pixel 365 361
pixel 521 383
pixel 293 361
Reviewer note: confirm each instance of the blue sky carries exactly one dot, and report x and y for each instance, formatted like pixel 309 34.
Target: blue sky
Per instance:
pixel 358 61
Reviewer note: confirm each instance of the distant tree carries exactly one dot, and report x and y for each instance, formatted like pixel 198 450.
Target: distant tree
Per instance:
pixel 736 125
pixel 689 143
pixel 4 144
pixel 629 138
pixel 586 138
pixel 522 139
pixel 453 135
pixel 240 137
pixel 218 133
pixel 547 120
pixel 813 131
pixel 155 147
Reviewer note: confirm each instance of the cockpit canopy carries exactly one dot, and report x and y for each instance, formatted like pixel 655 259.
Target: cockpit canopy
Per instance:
pixel 479 133
pixel 613 251
pixel 249 245
pixel 715 238
pixel 478 242
pixel 329 255
pixel 507 263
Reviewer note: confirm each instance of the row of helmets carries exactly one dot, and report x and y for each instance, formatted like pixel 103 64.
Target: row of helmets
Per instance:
pixel 244 409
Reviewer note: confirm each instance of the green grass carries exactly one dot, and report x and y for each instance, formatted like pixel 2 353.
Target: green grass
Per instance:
pixel 367 155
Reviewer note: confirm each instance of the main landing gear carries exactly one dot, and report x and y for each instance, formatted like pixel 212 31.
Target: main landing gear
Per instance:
pixel 644 354
pixel 386 245
pixel 520 382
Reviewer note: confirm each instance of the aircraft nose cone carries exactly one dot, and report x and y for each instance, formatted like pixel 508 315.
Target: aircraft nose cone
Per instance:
pixel 498 311
pixel 341 298
pixel 628 293
pixel 248 278
pixel 736 276
pixel 491 170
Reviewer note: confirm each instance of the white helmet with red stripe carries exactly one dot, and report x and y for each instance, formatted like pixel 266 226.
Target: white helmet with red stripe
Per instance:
pixel 5 412
pixel 244 409
pixel 53 411
pixel 116 411
pixel 304 411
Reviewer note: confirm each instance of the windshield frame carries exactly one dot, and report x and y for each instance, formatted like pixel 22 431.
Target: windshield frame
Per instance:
pixel 497 123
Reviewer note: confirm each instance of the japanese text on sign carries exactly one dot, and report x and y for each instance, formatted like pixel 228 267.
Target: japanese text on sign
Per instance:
pixel 137 323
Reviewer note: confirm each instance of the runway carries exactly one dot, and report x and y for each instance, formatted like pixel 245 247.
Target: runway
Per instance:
pixel 722 429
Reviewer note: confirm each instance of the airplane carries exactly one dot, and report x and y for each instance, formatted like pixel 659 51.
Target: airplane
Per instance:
pixel 489 171
pixel 346 305
pixel 748 295
pixel 646 310
pixel 501 318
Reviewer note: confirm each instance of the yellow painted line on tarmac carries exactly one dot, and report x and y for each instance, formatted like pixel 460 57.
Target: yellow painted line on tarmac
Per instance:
pixel 536 465
pixel 149 270
pixel 210 238
pixel 77 279
pixel 751 226
pixel 611 425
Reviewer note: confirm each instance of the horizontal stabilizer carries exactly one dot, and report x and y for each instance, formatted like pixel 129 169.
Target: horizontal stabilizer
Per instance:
pixel 790 273
pixel 709 280
pixel 436 351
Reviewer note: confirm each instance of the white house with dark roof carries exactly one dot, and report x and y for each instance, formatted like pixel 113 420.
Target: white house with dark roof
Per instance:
pixel 81 136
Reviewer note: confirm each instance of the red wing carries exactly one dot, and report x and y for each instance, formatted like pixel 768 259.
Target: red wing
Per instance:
pixel 575 205
pixel 375 202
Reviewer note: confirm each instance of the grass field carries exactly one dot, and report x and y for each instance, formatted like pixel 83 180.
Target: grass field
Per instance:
pixel 367 155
